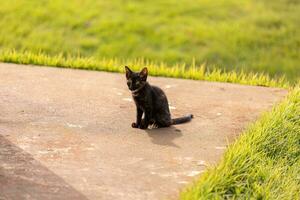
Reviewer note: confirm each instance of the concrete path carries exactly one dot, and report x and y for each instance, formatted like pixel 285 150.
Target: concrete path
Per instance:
pixel 66 134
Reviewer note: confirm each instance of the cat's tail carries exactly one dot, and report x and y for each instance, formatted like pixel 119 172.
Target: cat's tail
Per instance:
pixel 181 120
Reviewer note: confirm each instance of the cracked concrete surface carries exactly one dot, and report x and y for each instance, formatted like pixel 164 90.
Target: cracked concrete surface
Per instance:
pixel 66 134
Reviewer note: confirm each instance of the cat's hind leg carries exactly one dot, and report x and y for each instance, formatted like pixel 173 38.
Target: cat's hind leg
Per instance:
pixel 163 121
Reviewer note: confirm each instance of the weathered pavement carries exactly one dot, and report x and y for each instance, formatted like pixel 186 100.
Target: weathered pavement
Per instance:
pixel 66 134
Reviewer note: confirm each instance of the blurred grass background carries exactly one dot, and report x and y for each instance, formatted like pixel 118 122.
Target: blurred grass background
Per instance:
pixel 256 36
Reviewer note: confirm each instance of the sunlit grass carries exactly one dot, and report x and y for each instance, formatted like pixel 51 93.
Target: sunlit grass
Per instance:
pixel 116 65
pixel 264 163
pixel 247 35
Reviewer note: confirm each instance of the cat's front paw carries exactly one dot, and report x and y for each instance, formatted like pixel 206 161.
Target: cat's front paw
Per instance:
pixel 134 125
pixel 143 125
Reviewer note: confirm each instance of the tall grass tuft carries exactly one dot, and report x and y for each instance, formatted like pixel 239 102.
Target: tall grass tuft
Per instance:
pixel 117 65
pixel 264 163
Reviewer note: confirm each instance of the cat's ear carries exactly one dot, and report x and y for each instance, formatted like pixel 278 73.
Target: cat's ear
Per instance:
pixel 128 72
pixel 144 73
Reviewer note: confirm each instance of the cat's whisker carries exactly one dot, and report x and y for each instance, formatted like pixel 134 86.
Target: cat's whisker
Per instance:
pixel 127 99
pixel 172 107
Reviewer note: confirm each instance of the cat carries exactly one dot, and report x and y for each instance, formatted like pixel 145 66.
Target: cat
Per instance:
pixel 150 101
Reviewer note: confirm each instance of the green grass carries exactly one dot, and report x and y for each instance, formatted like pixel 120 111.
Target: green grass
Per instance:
pixel 116 65
pixel 255 42
pixel 264 163
pixel 257 36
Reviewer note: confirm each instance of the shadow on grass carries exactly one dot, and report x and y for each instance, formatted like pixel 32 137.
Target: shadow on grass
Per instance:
pixel 164 136
pixel 23 177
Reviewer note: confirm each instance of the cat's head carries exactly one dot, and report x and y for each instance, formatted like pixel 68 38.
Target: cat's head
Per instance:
pixel 136 80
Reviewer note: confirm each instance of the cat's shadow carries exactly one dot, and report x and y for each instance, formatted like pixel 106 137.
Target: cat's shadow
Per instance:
pixel 164 136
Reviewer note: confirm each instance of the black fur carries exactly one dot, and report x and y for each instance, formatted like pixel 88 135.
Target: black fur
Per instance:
pixel 150 101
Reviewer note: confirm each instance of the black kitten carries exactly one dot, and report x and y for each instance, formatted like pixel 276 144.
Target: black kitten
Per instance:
pixel 151 101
